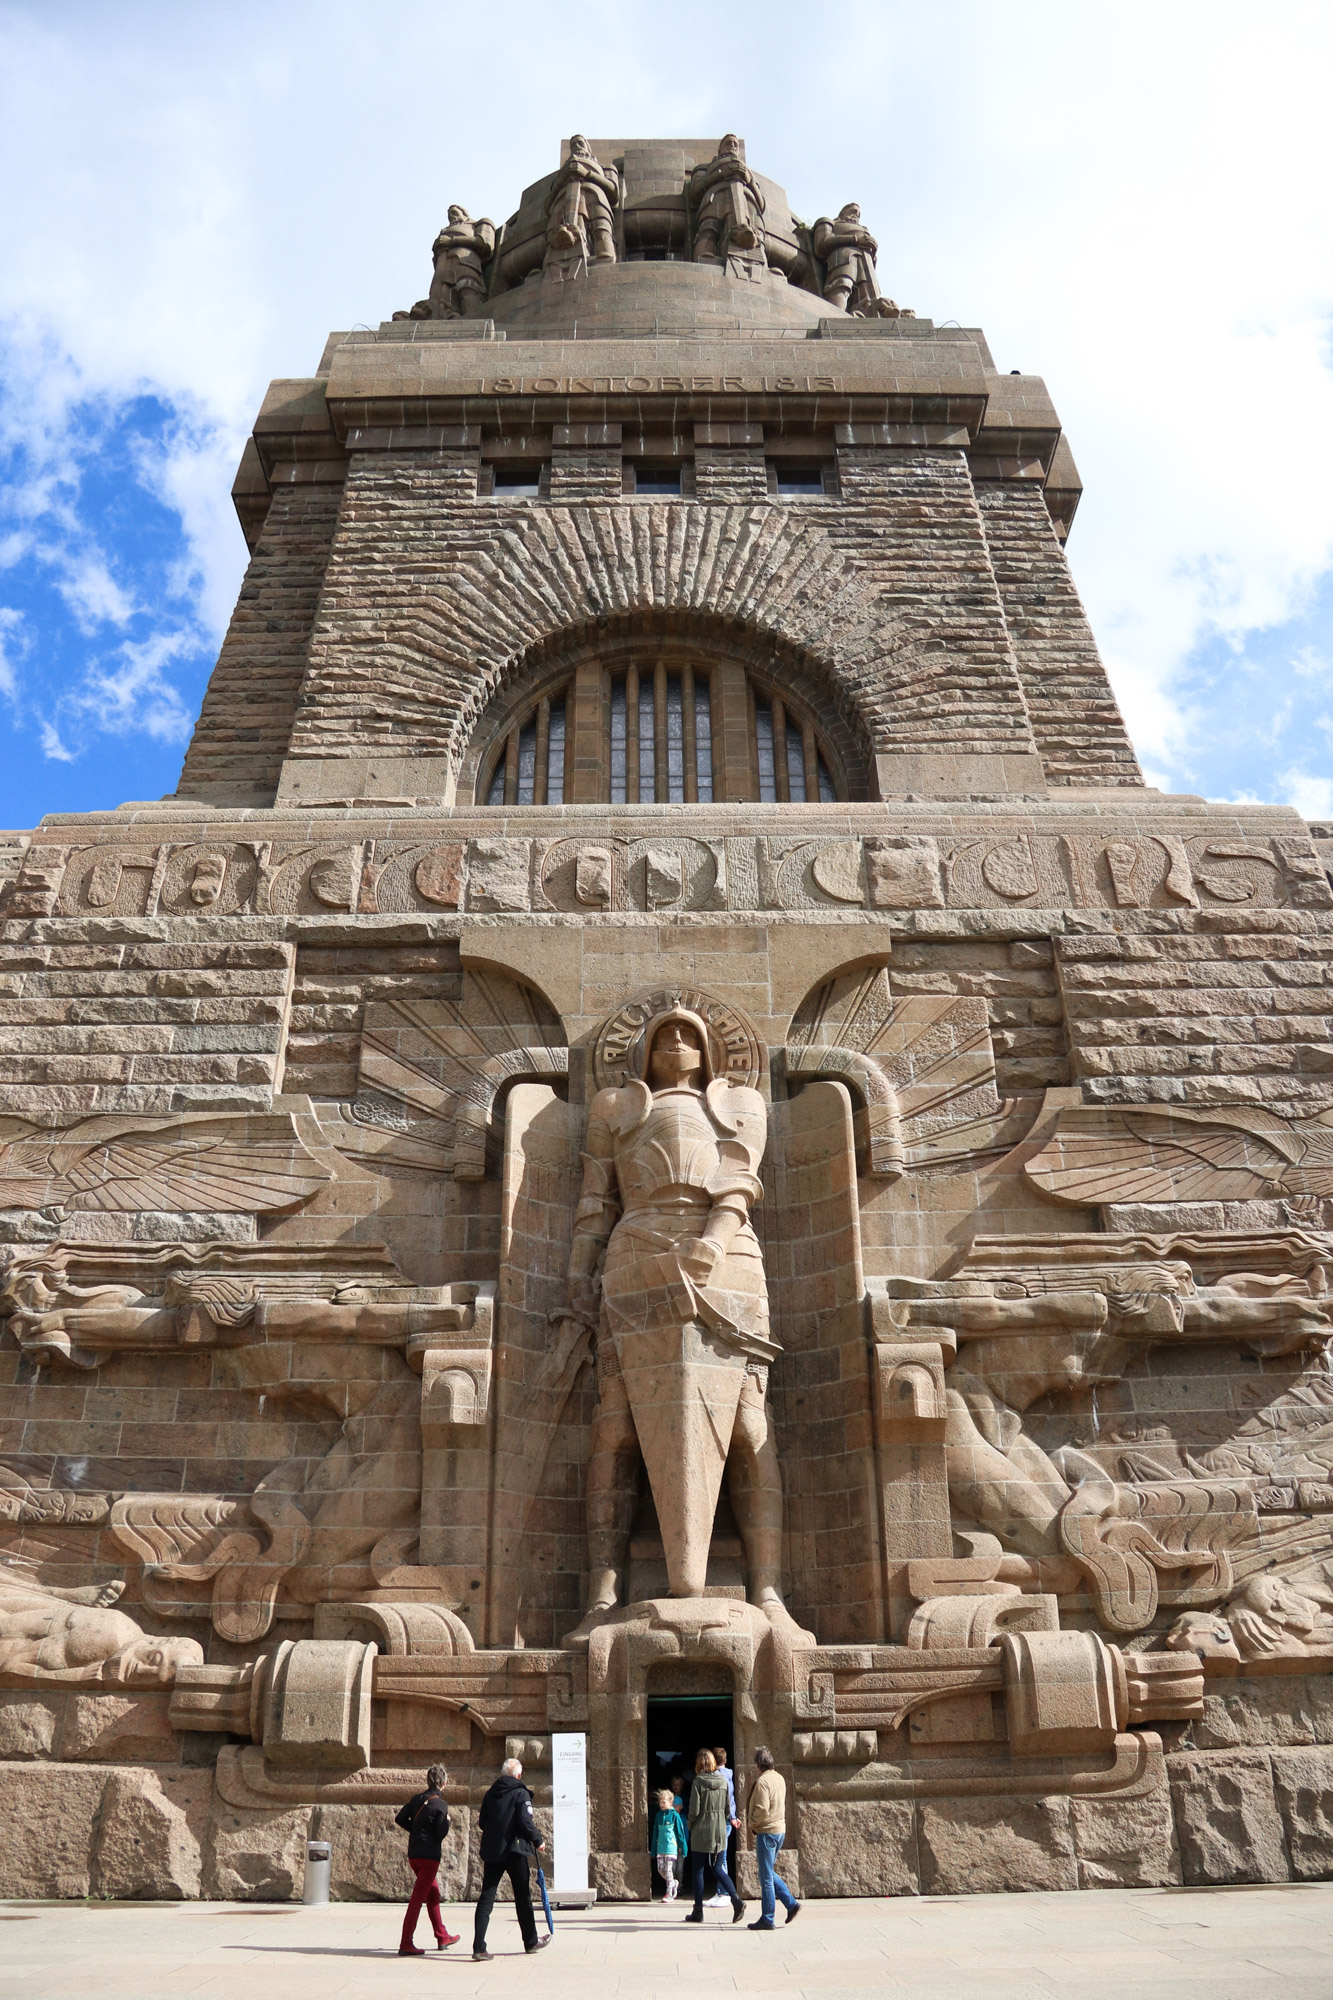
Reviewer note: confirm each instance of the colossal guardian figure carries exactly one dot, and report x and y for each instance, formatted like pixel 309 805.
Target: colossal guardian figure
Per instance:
pixel 670 1173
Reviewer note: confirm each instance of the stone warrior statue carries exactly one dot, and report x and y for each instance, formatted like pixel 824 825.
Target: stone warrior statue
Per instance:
pixel 670 1176
pixel 579 217
pixel 848 251
pixel 461 250
pixel 728 207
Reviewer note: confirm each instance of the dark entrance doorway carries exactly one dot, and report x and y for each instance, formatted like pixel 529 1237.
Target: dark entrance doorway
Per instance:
pixel 679 1726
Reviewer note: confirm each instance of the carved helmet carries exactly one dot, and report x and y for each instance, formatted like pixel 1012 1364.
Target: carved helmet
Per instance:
pixel 641 1048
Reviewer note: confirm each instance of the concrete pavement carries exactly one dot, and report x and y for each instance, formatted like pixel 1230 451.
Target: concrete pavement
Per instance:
pixel 1188 1944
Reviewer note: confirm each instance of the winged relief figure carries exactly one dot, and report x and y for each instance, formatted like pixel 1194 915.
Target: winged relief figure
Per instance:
pixel 243 1164
pixel 1126 1153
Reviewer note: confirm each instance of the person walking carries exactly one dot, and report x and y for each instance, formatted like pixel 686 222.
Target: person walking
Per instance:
pixel 669 1843
pixel 718 1899
pixel 766 1811
pixel 709 1825
pixel 509 1837
pixel 425 1820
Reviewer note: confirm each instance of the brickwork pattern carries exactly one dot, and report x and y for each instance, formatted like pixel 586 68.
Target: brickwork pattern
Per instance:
pixel 1075 719
pixel 143 1027
pixel 429 606
pixel 246 718
pixel 1224 1007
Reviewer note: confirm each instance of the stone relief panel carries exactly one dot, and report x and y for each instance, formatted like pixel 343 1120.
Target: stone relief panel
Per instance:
pixel 1056 1482
pixel 432 1070
pixel 1164 1153
pixel 337 1518
pixel 922 1066
pixel 245 1163
pixel 219 881
pixel 504 874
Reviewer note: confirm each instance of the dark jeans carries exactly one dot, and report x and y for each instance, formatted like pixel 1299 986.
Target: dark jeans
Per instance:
pixel 515 1866
pixel 718 1864
pixel 424 1890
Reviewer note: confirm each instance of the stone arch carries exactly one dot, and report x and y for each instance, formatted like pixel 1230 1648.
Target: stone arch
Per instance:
pixel 771 662
pixel 401 663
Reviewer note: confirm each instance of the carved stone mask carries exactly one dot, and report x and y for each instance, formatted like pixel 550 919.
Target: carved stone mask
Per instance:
pixel 641 1059
pixel 677 1056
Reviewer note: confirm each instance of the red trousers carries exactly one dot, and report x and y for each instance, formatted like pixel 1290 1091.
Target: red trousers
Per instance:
pixel 424 1890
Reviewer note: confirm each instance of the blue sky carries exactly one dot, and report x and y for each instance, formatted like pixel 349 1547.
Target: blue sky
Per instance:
pixel 1132 199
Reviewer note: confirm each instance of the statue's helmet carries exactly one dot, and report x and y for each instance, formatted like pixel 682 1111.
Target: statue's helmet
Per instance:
pixel 641 1049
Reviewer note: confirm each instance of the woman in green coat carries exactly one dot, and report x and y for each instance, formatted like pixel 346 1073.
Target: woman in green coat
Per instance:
pixel 710 1823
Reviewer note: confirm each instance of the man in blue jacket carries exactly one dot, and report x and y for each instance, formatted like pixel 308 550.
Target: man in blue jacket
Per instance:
pixel 508 1837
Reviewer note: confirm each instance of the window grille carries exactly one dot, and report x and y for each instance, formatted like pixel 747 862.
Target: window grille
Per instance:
pixel 660 722
pixel 529 766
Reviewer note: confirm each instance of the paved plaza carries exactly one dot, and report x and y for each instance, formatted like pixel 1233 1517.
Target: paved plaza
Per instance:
pixel 1216 1944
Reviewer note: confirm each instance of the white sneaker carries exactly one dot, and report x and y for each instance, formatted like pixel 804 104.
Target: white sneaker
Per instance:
pixel 718 1902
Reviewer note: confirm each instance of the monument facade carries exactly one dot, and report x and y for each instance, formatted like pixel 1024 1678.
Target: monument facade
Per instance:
pixel 663 1119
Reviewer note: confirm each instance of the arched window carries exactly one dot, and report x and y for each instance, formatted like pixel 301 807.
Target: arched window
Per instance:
pixel 643 730
pixel 527 768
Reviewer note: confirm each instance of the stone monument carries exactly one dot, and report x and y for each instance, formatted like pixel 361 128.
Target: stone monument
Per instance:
pixel 664 1119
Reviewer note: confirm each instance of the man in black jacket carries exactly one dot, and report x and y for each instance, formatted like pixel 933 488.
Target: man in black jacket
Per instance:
pixel 508 1836
pixel 425 1819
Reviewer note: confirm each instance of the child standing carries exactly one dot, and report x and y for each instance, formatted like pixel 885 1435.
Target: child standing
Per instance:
pixel 669 1843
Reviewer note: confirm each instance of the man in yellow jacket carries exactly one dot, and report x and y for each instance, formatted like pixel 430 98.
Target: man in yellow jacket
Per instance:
pixel 766 1810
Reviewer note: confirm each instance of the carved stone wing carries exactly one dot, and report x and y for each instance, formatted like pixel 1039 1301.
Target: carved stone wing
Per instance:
pixel 245 1164
pixel 923 1066
pixel 431 1071
pixel 1099 1154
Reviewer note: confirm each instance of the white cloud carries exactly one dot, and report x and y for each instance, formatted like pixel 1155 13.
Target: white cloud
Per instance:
pixel 133 694
pixel 92 593
pixel 1311 796
pixel 10 622
pixel 52 745
pixel 1130 198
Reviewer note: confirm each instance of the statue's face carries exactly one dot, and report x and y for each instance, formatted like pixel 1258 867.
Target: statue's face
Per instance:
pixel 852 213
pixel 1202 1632
pixel 677 1056
pixel 730 143
pixel 578 144
pixel 150 1662
pixel 457 214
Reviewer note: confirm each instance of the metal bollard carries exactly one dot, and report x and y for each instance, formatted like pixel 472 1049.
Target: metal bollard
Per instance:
pixel 318 1855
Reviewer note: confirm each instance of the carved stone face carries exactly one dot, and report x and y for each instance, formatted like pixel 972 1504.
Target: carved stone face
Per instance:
pixel 676 1056
pixel 851 213
pixel 457 213
pixel 729 144
pixel 1202 1632
pixel 153 1662
pixel 579 146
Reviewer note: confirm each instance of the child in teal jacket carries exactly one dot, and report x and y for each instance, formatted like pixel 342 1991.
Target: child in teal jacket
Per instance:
pixel 669 1843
